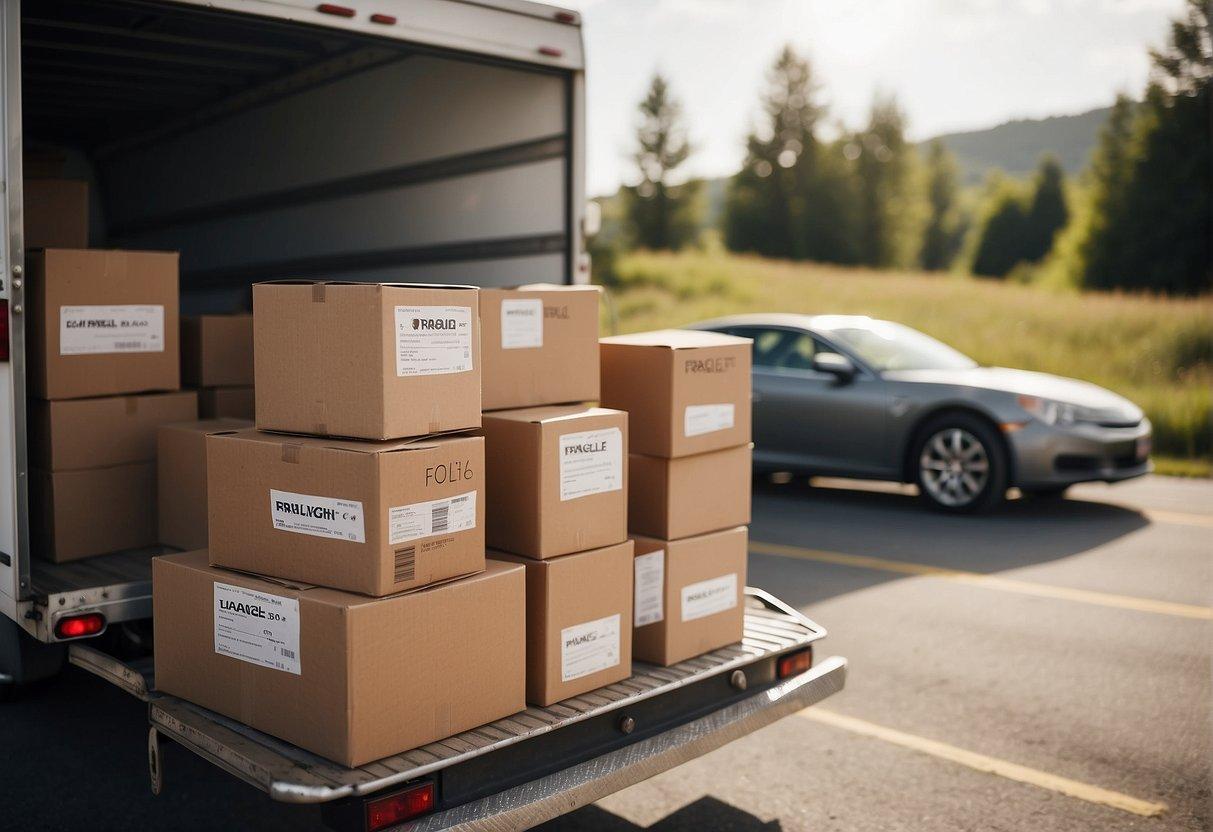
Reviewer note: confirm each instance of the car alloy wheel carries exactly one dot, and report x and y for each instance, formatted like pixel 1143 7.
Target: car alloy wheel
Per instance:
pixel 954 467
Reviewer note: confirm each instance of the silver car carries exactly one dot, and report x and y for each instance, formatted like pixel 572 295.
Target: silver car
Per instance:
pixel 852 396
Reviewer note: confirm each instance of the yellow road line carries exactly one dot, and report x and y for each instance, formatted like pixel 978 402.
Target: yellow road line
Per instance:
pixel 1104 599
pixel 990 765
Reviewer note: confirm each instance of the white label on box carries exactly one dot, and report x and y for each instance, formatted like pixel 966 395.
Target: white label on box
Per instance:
pixel 257 627
pixel 709 597
pixel 588 648
pixel 317 516
pixel 92 330
pixel 650 588
pixel 521 323
pixel 707 418
pixel 445 516
pixel 433 340
pixel 591 462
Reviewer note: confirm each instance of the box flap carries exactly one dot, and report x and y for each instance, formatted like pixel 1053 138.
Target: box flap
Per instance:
pixel 356 446
pixel 676 339
pixel 550 413
pixel 305 282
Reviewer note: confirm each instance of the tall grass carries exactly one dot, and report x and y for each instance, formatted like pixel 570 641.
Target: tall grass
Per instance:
pixel 1156 351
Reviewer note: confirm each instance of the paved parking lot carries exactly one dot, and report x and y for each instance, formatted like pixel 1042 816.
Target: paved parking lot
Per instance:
pixel 1044 668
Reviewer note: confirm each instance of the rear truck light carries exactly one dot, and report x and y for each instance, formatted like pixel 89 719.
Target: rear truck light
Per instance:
pixel 3 330
pixel 794 664
pixel 397 808
pixel 385 19
pixel 79 626
pixel 551 51
pixel 334 9
pixel 565 17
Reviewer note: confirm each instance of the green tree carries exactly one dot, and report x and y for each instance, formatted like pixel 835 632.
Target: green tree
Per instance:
pixel 1048 212
pixel 660 213
pixel 1001 230
pixel 941 238
pixel 883 169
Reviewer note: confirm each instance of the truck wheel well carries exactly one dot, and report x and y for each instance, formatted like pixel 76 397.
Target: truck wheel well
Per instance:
pixel 909 472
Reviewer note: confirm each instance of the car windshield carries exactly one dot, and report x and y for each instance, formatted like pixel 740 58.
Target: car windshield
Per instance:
pixel 888 346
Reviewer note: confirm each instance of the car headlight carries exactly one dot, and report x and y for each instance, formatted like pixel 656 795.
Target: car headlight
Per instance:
pixel 1057 413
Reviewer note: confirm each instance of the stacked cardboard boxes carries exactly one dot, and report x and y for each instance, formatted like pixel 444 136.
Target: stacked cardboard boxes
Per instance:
pixel 345 603
pixel 688 398
pixel 102 374
pixel 557 485
pixel 217 359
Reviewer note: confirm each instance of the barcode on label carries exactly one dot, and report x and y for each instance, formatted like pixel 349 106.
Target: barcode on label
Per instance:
pixel 440 518
pixel 128 345
pixel 406 559
pixel 290 654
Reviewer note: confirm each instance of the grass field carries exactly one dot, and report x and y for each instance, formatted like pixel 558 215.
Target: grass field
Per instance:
pixel 1157 352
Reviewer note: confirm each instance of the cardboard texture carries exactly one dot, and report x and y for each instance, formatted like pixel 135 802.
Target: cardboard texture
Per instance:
pixel 372 517
pixel 556 479
pixel 55 213
pixel 114 430
pixel 578 614
pixel 366 360
pixel 101 323
pixel 671 498
pixel 226 403
pixel 93 511
pixel 217 350
pixel 539 344
pixel 181 479
pixel 686 392
pixel 351 678
pixel 689 595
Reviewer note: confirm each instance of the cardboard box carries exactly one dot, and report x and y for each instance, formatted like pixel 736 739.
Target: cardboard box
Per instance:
pixel 101 323
pixel 557 479
pixel 686 392
pixel 181 479
pixel 372 517
pixel 217 350
pixel 226 403
pixel 577 613
pixel 689 595
pixel 93 511
pixel 351 678
pixel 113 430
pixel 56 213
pixel 671 498
pixel 540 345
pixel 366 360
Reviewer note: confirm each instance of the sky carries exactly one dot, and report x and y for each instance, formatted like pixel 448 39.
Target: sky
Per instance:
pixel 953 64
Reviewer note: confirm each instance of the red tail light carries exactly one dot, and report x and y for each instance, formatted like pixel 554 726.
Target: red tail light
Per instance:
pixel 565 17
pixel 333 8
pixel 79 626
pixel 551 51
pixel 3 330
pixel 794 663
pixel 399 807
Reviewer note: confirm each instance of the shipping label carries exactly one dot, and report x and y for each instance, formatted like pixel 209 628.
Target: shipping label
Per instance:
pixel 649 592
pixel 521 323
pixel 591 462
pixel 93 330
pixel 433 340
pixel 707 418
pixel 317 516
pixel 709 597
pixel 445 516
pixel 257 627
pixel 588 648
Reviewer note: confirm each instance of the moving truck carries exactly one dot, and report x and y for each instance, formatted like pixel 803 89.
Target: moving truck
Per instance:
pixel 360 140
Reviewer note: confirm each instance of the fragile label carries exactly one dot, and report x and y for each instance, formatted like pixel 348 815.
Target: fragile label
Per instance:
pixel 591 462
pixel 257 627
pixel 92 330
pixel 650 588
pixel 445 516
pixel 588 648
pixel 317 516
pixel 521 323
pixel 709 597
pixel 433 340
pixel 707 418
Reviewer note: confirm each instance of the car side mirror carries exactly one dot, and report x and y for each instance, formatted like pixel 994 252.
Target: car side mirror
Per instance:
pixel 836 365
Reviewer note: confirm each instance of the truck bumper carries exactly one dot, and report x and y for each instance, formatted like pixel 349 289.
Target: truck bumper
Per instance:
pixel 557 794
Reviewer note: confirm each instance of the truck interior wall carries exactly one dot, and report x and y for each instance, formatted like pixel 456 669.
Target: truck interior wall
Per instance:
pixel 369 161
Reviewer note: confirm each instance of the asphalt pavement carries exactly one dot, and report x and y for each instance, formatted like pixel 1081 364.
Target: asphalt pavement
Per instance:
pixel 1046 667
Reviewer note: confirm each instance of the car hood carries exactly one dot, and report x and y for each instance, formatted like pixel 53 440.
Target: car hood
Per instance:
pixel 1025 383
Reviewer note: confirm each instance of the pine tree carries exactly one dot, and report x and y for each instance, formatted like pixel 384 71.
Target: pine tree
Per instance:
pixel 1001 230
pixel 660 213
pixel 1048 212
pixel 941 239
pixel 883 168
